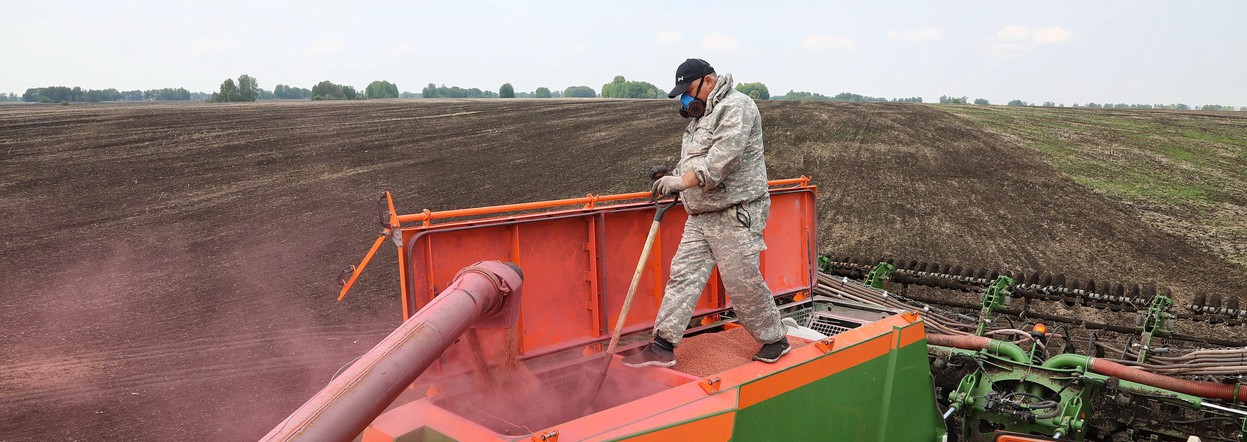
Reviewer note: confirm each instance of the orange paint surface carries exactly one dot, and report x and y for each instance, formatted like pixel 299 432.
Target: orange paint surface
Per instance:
pixel 714 428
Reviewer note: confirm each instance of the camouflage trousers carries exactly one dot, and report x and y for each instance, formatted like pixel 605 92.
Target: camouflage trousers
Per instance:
pixel 732 239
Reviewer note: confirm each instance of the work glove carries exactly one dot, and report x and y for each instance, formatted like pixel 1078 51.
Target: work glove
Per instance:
pixel 668 185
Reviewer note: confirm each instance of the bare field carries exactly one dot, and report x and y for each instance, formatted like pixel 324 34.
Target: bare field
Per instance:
pixel 169 267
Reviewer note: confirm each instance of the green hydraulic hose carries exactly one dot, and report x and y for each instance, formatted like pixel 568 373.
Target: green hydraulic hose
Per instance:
pixel 1067 361
pixel 1008 350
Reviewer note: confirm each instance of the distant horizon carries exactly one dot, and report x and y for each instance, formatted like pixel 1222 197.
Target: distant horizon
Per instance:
pixel 1115 51
pixel 773 96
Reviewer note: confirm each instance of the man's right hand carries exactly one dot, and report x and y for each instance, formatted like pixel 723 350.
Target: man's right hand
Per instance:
pixel 668 185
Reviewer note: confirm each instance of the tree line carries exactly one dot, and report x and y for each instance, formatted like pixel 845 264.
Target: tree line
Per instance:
pixel 944 99
pixel 62 94
pixel 843 96
pixel 247 88
pixel 622 88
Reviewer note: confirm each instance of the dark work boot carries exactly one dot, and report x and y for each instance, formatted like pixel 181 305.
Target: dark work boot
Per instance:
pixel 771 352
pixel 659 353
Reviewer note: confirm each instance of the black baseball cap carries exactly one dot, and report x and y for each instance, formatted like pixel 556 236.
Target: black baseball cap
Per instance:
pixel 687 73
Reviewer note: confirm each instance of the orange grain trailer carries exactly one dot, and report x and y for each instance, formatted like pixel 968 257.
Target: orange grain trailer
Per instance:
pixel 508 310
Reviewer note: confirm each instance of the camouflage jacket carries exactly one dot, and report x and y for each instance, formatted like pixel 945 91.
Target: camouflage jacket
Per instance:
pixel 724 149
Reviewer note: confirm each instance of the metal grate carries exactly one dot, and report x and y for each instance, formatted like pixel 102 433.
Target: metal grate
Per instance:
pixel 801 313
pixel 827 316
pixel 830 325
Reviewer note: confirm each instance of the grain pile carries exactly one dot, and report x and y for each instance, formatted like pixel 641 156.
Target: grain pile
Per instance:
pixel 710 353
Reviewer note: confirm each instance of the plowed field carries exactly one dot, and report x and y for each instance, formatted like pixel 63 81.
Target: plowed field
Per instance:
pixel 168 270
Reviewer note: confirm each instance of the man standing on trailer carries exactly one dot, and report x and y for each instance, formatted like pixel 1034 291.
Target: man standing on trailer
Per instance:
pixel 722 179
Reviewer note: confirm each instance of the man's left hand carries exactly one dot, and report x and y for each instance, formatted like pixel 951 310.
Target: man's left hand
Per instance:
pixel 669 185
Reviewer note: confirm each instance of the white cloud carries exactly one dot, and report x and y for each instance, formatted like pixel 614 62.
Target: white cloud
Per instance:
pixel 1055 34
pixel 325 46
pixel 1013 33
pixel 716 42
pixel 1015 40
pixel 822 41
pixel 668 37
pixel 213 45
pixel 917 35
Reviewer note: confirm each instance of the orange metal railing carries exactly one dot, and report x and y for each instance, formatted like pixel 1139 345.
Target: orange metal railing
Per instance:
pixel 588 201
pixel 575 250
pixel 426 217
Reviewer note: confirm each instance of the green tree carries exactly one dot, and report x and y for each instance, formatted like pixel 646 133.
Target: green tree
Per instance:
pixel 981 102
pixel 579 92
pixel 1017 103
pixel 327 90
pixel 248 88
pixel 228 92
pixel 802 96
pixel 945 99
pixel 846 96
pixel 381 89
pixel 756 91
pixel 291 93
pixel 542 92
pixel 506 91
pixel 429 91
pixel 622 88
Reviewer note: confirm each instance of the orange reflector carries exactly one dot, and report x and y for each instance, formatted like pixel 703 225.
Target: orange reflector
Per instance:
pixel 1041 329
pixel 1014 437
pixel 799 297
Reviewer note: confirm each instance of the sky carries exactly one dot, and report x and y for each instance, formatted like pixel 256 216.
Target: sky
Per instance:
pixel 1192 52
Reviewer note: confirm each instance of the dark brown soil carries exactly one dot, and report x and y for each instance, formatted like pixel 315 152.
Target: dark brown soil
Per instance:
pixel 168 269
